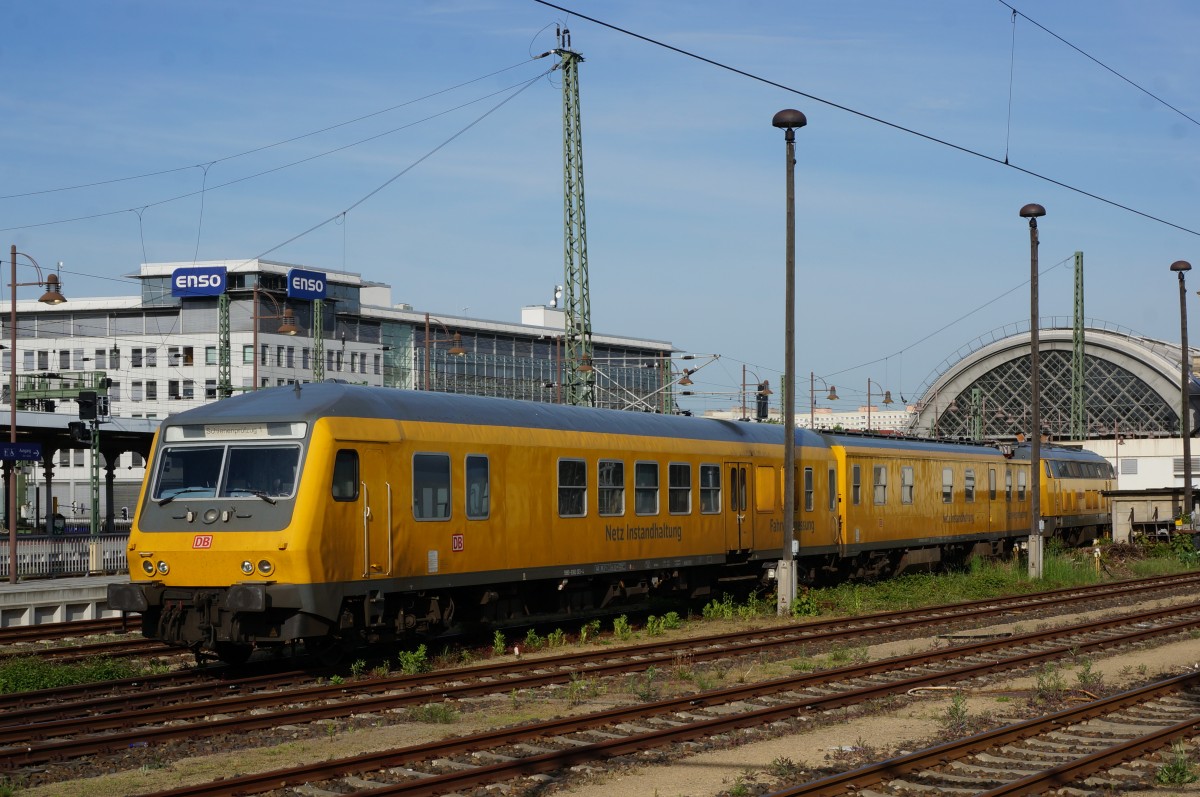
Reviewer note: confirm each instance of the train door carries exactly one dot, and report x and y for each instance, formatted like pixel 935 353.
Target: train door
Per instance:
pixel 376 515
pixel 739 517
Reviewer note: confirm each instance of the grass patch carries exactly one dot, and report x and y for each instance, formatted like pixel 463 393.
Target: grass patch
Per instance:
pixel 28 673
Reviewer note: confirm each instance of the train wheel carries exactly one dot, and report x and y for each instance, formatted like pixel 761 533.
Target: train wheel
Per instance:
pixel 233 653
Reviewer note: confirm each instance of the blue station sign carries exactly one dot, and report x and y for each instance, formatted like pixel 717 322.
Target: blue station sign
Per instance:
pixel 198 281
pixel 303 284
pixel 21 451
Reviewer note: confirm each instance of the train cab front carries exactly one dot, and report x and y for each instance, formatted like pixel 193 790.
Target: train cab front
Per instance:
pixel 212 553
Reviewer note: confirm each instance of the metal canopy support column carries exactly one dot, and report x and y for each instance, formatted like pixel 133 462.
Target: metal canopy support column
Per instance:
pixel 1078 399
pixel 580 379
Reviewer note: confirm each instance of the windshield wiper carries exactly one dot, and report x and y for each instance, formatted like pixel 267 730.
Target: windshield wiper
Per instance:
pixel 263 496
pixel 173 496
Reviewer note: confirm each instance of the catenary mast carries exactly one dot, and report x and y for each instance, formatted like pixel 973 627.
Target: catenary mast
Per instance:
pixel 579 376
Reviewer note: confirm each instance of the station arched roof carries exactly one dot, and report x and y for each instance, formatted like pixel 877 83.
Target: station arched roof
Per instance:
pixel 1131 386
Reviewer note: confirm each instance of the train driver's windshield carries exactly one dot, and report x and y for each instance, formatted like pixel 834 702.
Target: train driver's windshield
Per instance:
pixel 239 471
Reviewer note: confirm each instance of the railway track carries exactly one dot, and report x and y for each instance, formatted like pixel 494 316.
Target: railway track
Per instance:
pixel 14 634
pixel 1038 755
pixel 183 690
pixel 469 761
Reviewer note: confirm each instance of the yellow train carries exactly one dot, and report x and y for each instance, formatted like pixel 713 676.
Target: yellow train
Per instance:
pixel 338 513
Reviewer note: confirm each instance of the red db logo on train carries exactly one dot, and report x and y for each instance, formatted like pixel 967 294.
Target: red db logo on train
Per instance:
pixel 202 541
pixel 457 543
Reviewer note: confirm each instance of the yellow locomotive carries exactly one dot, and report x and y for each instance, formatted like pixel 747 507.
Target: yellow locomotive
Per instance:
pixel 338 513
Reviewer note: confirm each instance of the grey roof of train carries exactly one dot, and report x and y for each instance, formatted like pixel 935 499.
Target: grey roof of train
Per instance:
pixel 322 399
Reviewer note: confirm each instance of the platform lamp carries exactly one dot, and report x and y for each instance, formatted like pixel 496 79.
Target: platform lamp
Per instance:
pixel 789 120
pixel 287 325
pixel 812 397
pixel 887 399
pixel 53 295
pixel 455 340
pixel 1033 212
pixel 1185 408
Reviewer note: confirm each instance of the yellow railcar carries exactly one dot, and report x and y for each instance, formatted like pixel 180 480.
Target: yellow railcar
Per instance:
pixel 345 513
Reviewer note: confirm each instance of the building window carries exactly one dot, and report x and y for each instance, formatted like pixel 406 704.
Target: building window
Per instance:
pixel 431 487
pixel 136 391
pixel 304 358
pixel 173 356
pixel 78 457
pixel 135 358
pixel 152 390
pixel 291 356
pixel 645 488
pixel 173 389
pixel 610 483
pixel 114 391
pixel 189 389
pixel 64 457
pixel 247 355
pixel 377 361
pixel 27 361
pixel 151 358
pixel 64 360
pixel 189 355
pixel 679 488
pixel 710 489
pixel 43 360
pixel 100 358
pixel 210 388
pixel 572 488
pixel 77 359
pixel 210 355
pixel 263 354
pixel 137 460
pixel 114 358
pixel 279 355
pixel 478 488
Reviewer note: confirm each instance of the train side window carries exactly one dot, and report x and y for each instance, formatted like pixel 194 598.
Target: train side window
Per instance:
pixel 1007 484
pixel 947 485
pixel 991 484
pixel 969 485
pixel 856 485
pixel 1021 485
pixel 679 488
pixel 710 489
pixel 808 489
pixel 431 486
pixel 610 481
pixel 645 488
pixel 572 488
pixel 478 487
pixel 880 482
pixel 906 484
pixel 345 475
pixel 832 489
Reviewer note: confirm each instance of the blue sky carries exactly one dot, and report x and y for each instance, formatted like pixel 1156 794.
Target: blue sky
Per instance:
pixel 898 238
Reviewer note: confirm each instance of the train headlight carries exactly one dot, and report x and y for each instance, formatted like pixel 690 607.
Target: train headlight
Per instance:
pixel 265 567
pixel 248 567
pixel 163 567
pixel 148 566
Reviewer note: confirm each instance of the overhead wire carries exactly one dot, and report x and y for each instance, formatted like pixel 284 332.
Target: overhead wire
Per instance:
pixel 878 120
pixel 264 147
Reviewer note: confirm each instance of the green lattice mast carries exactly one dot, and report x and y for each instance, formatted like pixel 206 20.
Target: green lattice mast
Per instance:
pixel 579 376
pixel 1079 430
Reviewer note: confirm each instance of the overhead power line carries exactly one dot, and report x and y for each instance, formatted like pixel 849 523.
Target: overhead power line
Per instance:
pixel 878 120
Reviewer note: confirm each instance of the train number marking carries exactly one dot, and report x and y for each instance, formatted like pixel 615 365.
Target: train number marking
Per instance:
pixel 457 543
pixel 202 541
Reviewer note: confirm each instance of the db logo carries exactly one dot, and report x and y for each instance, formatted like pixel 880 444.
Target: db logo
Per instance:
pixel 456 542
pixel 202 541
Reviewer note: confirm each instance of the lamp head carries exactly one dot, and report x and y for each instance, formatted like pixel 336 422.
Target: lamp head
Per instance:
pixel 288 325
pixel 789 119
pixel 1033 211
pixel 457 349
pixel 53 294
pixel 833 396
pixel 1181 265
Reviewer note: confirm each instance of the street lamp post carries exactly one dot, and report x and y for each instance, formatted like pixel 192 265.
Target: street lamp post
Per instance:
pixel 788 120
pixel 456 349
pixel 287 326
pixel 53 295
pixel 1185 408
pixel 812 397
pixel 1033 212
pixel 887 399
